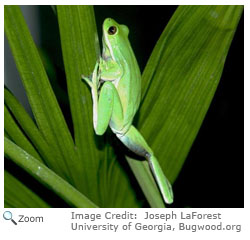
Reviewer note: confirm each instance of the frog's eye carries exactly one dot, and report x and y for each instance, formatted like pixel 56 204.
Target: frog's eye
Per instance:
pixel 112 30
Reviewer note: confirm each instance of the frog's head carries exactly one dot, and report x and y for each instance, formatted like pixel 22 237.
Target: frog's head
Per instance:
pixel 114 34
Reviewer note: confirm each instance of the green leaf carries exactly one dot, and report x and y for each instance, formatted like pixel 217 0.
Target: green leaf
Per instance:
pixel 17 195
pixel 101 177
pixel 45 175
pixel 78 39
pixel 147 182
pixel 117 188
pixel 30 129
pixel 181 77
pixel 13 131
pixel 43 102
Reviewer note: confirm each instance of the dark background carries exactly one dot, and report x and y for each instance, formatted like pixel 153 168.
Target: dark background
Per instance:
pixel 213 174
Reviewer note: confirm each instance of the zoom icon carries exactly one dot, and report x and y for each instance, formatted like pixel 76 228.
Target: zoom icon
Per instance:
pixel 7 215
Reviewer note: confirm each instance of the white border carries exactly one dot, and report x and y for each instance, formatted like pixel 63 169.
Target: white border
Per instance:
pixel 57 220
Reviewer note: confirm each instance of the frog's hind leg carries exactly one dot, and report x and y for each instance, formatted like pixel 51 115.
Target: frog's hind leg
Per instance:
pixel 136 143
pixel 109 109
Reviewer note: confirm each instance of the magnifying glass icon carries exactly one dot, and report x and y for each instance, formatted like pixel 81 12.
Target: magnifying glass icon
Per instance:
pixel 7 215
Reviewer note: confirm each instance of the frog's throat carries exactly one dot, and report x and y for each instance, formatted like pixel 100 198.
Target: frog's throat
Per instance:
pixel 106 49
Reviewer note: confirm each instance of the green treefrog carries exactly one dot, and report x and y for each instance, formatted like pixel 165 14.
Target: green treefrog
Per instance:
pixel 116 92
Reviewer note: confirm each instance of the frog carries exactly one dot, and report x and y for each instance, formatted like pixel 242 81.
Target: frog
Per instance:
pixel 116 93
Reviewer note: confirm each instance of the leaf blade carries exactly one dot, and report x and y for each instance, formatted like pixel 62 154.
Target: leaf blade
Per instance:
pixel 17 195
pixel 30 129
pixel 78 39
pixel 147 182
pixel 43 102
pixel 45 175
pixel 186 64
pixel 17 135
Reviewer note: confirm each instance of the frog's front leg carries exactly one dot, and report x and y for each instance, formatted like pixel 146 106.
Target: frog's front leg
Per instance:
pixel 107 106
pixel 136 143
pixel 93 82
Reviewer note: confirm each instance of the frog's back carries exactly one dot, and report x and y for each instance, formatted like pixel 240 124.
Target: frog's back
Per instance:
pixel 129 86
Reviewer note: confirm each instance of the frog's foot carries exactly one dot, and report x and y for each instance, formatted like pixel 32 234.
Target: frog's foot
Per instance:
pixel 88 80
pixel 96 76
pixel 93 80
